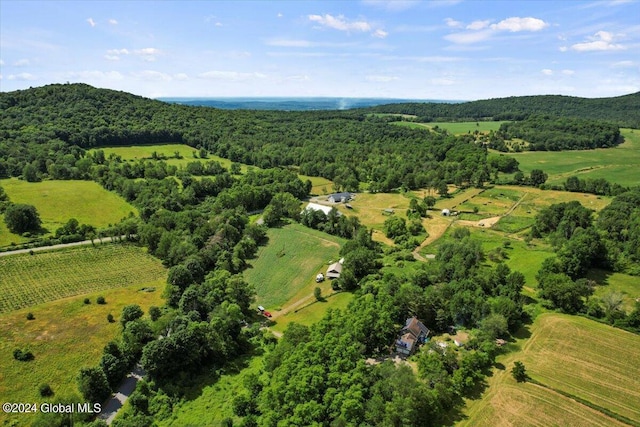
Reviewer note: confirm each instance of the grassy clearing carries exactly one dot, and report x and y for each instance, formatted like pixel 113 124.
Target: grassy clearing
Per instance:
pixel 26 280
pixel 617 164
pixel 214 403
pixel 628 286
pixel 369 207
pixel 137 152
pixel 59 201
pixel 455 128
pixel 314 311
pixel 319 186
pixel 288 265
pixel 576 355
pixel 65 336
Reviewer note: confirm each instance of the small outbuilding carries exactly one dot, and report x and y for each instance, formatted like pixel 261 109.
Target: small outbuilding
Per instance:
pixel 446 212
pixel 319 278
pixel 318 207
pixel 334 270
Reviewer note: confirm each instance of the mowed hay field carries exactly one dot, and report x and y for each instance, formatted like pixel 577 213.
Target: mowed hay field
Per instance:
pixel 26 280
pixel 618 164
pixel 59 201
pixel 65 335
pixel 288 264
pixel 592 361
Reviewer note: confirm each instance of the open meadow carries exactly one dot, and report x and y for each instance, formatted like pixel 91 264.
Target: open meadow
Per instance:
pixel 575 355
pixel 59 201
pixel 287 266
pixel 625 285
pixel 64 336
pixel 167 152
pixel 456 128
pixel 618 164
pixel 27 280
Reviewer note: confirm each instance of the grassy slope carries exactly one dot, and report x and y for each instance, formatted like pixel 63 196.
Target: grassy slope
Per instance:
pixel 628 286
pixel 65 336
pixel 455 128
pixel 26 279
pixel 572 354
pixel 59 201
pixel 617 164
pixel 288 265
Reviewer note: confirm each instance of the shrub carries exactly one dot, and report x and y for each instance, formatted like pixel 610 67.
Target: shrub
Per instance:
pixel 110 318
pixel 519 372
pixel 30 316
pixel 154 313
pixel 317 292
pixel 45 390
pixel 101 300
pixel 22 355
pixel 87 301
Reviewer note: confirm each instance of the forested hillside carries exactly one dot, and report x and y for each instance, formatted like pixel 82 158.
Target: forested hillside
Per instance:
pixel 621 110
pixel 346 147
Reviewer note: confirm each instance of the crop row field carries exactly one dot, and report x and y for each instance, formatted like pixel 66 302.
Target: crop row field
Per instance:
pixel 64 336
pixel 59 201
pixel 27 280
pixel 575 355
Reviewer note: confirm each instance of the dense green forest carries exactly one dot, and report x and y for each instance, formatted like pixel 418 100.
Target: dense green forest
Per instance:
pixel 621 110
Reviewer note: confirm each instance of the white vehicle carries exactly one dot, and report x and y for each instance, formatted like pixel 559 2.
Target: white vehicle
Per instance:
pixel 319 278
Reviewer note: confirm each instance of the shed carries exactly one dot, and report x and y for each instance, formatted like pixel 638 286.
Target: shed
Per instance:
pixel 334 270
pixel 446 212
pixel 318 207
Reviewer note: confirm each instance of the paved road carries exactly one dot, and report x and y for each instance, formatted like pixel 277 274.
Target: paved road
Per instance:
pixel 110 410
pixel 60 246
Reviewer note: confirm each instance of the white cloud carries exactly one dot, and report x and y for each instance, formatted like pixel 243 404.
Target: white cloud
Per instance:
pixel 619 64
pixel 380 78
pixel 568 72
pixel 279 15
pixel 148 54
pixel 340 23
pixel 21 76
pixel 298 78
pixel 95 75
pixel 380 34
pixel 442 81
pixel 467 38
pixel 547 72
pixel 1 62
pixel 515 24
pixel 181 76
pixel 113 22
pixel 289 43
pixel 21 63
pixel 231 75
pixel 453 23
pixel 601 41
pixel 150 75
pixel 91 22
pixel 478 25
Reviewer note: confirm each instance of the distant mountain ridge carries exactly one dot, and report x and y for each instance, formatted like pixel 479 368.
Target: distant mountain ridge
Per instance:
pixel 622 110
pixel 293 103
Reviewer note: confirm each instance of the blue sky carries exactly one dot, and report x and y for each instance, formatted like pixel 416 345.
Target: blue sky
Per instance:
pixel 447 49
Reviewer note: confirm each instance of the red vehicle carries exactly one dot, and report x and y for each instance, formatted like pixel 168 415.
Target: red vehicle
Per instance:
pixel 266 313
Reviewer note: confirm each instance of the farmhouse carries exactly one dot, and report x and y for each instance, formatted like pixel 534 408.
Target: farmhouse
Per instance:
pixel 414 332
pixel 340 197
pixel 335 269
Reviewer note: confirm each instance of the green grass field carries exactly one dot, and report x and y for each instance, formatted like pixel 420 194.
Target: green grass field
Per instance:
pixel 314 311
pixel 136 152
pixel 65 336
pixel 319 186
pixel 617 164
pixel 628 286
pixel 581 357
pixel 288 264
pixel 27 280
pixel 455 128
pixel 59 201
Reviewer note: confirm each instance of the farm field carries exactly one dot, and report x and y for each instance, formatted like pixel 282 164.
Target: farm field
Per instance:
pixel 576 355
pixel 287 266
pixel 618 164
pixel 26 280
pixel 59 201
pixel 65 336
pixel 455 128
pixel 136 152
pixel 319 186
